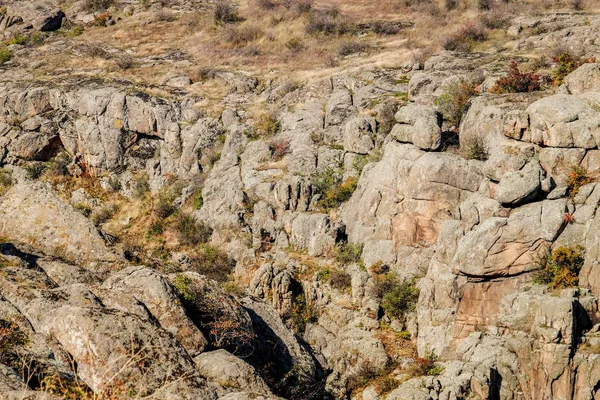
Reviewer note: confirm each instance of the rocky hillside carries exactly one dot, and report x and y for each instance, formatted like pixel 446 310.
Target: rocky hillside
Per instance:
pixel 318 200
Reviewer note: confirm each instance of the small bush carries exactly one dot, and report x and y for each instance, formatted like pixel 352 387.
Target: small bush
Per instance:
pixel 453 103
pixel 365 373
pixel 198 200
pixel 5 179
pixel 517 81
pixel 191 232
pixel 349 48
pixel 225 13
pixel 11 339
pixel 58 166
pixel 474 149
pixel 426 366
pixel 35 170
pixel 164 207
pixel 280 149
pixel 83 208
pixel 99 5
pixel 268 125
pixel 385 27
pixel 397 298
pixel 301 314
pixel 266 4
pixel 327 22
pixel 561 269
pixel 565 64
pixel 140 186
pixel 103 214
pixel 578 177
pixel 212 263
pixel 299 6
pixel 348 253
pixel 295 44
pixel 156 228
pixel 338 194
pixel 241 35
pixel 464 38
pixel 340 280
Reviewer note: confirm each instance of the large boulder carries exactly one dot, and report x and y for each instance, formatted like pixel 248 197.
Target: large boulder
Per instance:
pixel 32 214
pixel 520 186
pixel 419 125
pixel 584 79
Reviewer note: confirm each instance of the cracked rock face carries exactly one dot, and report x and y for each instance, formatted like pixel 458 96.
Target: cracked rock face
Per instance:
pixel 343 245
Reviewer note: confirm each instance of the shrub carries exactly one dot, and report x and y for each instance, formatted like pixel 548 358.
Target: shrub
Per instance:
pixel 240 35
pixel 299 6
pixel 385 27
pixel 339 194
pixel 280 149
pixel 99 5
pixel 35 170
pixel 327 22
pixel 83 208
pixel 191 232
pixel 474 149
pixel 295 44
pixel 453 103
pixel 5 179
pixel 365 373
pixel 397 298
pixel 156 228
pixel 164 207
pixel 578 177
pixel 426 365
pixel 348 253
pixel 517 81
pixel 198 200
pixel 340 280
pixel 11 338
pixel 140 186
pixel 465 37
pixel 301 314
pixel 349 48
pixel 225 12
pixel 213 263
pixel 266 4
pixel 104 213
pixel 58 166
pixel 565 64
pixel 268 125
pixel 561 269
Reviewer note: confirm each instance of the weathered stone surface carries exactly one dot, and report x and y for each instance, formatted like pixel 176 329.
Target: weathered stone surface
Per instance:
pixel 584 79
pixel 32 214
pixel 358 135
pixel 419 125
pixel 520 186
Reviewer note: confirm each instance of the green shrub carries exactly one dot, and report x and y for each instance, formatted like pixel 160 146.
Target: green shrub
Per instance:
pixel 474 149
pixel 11 339
pixel 5 55
pixel 83 208
pixel 156 228
pixel 453 103
pixel 301 314
pixel 182 283
pixel 561 269
pixel 35 170
pixel 58 166
pixel 348 253
pixel 427 366
pixel 212 263
pixel 578 177
pixel 565 64
pixel 397 298
pixel 268 125
pixel 332 190
pixel 517 81
pixel 164 207
pixel 191 232
pixel 198 200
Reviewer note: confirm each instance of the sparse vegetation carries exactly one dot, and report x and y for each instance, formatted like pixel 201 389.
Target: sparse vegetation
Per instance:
pixel 578 177
pixel 517 81
pixel 561 268
pixel 349 48
pixel 427 365
pixel 464 38
pixel 474 149
pixel 35 170
pixel 302 313
pixel 191 232
pixel 328 22
pixel 280 149
pixel 565 64
pixel 397 297
pixel 348 253
pixel 103 214
pixel 333 191
pixel 99 5
pixel 453 103
pixel 225 12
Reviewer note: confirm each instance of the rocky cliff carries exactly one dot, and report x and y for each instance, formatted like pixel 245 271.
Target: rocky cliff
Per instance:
pixel 367 233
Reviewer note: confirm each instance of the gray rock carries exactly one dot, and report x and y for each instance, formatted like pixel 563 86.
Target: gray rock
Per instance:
pixel 584 79
pixel 520 186
pixel 419 125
